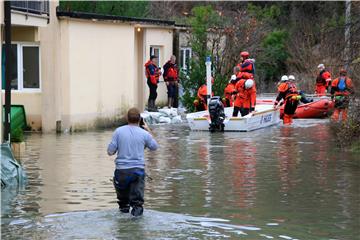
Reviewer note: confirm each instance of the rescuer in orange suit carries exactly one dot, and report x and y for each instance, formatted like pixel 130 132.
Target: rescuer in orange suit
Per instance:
pixel 246 64
pixel 229 92
pixel 287 91
pixel 323 80
pixel 245 89
pixel 200 102
pixel 341 89
pixel 152 73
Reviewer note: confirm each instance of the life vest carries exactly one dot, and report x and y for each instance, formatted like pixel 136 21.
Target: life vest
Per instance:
pixel 153 77
pixel 342 87
pixel 247 66
pixel 289 88
pixel 324 78
pixel 172 73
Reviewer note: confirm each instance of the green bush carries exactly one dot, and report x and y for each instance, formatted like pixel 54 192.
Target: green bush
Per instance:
pixel 118 8
pixel 202 20
pixel 17 135
pixel 272 60
pixel 347 133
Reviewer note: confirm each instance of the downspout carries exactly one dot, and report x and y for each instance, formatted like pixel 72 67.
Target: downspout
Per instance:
pixel 8 62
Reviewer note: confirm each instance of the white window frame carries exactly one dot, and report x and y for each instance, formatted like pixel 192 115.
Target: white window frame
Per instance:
pixel 20 67
pixel 152 47
pixel 184 49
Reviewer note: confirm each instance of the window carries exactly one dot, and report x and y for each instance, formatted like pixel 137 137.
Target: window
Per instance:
pixel 185 56
pixel 25 58
pixel 155 51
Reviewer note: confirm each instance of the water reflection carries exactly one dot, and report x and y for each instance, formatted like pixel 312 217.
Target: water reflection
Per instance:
pixel 283 181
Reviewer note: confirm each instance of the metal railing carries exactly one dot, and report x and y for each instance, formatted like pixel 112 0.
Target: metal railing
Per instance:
pixel 36 7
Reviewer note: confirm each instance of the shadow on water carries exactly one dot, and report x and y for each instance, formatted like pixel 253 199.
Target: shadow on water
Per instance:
pixel 274 183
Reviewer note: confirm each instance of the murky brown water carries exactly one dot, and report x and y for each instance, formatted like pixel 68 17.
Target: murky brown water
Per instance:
pixel 274 183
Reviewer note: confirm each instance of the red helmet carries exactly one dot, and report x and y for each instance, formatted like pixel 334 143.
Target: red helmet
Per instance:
pixel 245 54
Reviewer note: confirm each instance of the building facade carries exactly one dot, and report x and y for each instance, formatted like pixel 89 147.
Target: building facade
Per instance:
pixel 77 71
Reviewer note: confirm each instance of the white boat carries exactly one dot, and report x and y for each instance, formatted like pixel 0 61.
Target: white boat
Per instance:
pixel 263 116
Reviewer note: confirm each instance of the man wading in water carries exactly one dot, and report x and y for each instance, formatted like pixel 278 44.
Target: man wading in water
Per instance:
pixel 129 142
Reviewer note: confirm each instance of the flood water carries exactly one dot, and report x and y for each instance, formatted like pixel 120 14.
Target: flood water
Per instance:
pixel 274 183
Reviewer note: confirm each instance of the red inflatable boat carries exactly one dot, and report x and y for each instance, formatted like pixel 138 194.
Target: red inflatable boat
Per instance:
pixel 320 108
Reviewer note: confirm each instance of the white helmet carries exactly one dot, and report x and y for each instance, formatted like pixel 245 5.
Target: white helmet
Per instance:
pixel 291 77
pixel 249 83
pixel 233 78
pixel 321 66
pixel 284 78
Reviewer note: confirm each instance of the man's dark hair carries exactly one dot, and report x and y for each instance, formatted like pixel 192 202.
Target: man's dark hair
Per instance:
pixel 152 57
pixel 133 115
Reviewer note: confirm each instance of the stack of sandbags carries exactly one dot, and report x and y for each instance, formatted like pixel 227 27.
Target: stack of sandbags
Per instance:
pixel 164 116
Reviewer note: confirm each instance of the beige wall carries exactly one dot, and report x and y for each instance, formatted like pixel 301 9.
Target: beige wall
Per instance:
pixel 24 34
pixel 164 39
pixel 101 70
pixel 1 12
pixel 50 43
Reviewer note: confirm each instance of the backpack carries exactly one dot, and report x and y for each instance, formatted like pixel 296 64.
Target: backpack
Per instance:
pixel 342 84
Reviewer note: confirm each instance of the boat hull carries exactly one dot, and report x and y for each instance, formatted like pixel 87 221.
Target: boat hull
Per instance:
pixel 264 116
pixel 320 108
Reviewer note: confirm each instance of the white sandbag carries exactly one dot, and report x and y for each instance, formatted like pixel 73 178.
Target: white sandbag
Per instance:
pixel 165 112
pixel 164 120
pixel 176 120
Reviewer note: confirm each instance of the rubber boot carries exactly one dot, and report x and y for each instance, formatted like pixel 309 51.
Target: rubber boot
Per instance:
pixel 152 107
pixel 149 105
pixel 137 211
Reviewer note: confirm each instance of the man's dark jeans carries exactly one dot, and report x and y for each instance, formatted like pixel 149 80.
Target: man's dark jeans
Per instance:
pixel 129 185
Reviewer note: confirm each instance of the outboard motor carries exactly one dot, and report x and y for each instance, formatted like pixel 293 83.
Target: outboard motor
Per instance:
pixel 217 114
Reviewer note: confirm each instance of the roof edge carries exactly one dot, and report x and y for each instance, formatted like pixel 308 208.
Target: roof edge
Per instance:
pixel 84 15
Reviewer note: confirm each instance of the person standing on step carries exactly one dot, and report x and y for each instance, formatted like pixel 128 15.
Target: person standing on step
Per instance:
pixel 171 79
pixel 152 73
pixel 129 142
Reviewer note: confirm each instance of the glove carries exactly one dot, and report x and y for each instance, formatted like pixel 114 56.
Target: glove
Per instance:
pixel 275 104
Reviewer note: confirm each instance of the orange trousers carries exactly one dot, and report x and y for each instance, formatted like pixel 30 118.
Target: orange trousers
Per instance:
pixel 288 119
pixel 339 111
pixel 320 90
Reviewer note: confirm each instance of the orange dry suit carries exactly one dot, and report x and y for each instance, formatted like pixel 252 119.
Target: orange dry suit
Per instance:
pixel 288 92
pixel 323 81
pixel 200 102
pixel 341 89
pixel 245 98
pixel 229 91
